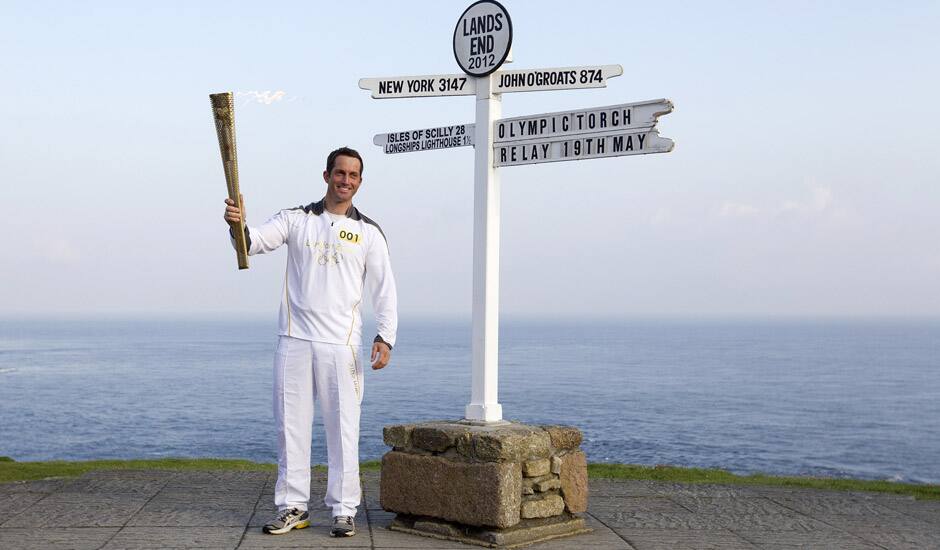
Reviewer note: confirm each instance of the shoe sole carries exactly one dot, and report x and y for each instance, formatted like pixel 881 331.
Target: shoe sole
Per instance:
pixel 299 525
pixel 346 534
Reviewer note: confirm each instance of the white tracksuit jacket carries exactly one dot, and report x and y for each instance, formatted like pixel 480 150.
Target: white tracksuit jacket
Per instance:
pixel 327 267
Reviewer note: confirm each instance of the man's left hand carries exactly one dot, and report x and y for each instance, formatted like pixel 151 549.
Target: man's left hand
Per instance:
pixel 381 355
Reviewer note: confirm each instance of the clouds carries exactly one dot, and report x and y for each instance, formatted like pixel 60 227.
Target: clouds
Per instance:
pixel 815 202
pixel 819 204
pixel 266 97
pixel 661 216
pixel 58 251
pixel 731 209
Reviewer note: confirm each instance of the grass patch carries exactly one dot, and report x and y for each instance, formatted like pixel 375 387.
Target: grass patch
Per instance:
pixel 21 471
pixel 11 470
pixel 370 466
pixel 705 475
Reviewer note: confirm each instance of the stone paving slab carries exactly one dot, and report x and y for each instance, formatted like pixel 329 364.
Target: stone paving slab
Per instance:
pixel 119 481
pixel 813 505
pixel 770 523
pixel 601 537
pixel 315 536
pixel 370 498
pixel 78 538
pixel 702 490
pixel 382 537
pixel 38 486
pixel 684 521
pixel 609 506
pixel 220 481
pixel 112 487
pixel 623 488
pixel 225 509
pixel 903 540
pixel 77 510
pixel 774 491
pixel 732 506
pixel 371 501
pixel 817 539
pixel 158 538
pixel 928 511
pixel 672 539
pixel 193 515
pixel 14 503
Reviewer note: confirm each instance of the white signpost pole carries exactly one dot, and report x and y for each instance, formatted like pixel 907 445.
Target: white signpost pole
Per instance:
pixel 484 405
pixel 482 42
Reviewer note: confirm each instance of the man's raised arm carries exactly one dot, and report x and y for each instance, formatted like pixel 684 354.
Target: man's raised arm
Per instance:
pixel 270 235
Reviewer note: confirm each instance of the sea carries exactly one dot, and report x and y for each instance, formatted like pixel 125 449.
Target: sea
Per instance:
pixel 822 397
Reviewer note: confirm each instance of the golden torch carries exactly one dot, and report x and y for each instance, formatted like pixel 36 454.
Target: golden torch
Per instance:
pixel 223 110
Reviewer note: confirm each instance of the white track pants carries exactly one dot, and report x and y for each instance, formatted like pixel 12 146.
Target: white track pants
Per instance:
pixel 332 374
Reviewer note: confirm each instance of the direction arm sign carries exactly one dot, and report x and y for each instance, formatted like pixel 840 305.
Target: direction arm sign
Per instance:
pixel 611 118
pixel 522 80
pixel 558 78
pixel 426 139
pixel 610 131
pixel 579 147
pixel 419 86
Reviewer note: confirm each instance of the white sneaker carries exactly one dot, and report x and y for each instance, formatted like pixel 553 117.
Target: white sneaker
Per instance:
pixel 343 526
pixel 291 518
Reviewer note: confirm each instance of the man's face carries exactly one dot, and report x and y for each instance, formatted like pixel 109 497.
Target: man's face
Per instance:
pixel 343 182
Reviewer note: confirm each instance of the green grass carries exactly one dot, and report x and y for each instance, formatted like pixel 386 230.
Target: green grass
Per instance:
pixel 702 475
pixel 18 471
pixel 370 466
pixel 11 470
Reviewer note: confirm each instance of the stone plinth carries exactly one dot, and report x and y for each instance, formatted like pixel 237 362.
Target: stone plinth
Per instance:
pixel 498 485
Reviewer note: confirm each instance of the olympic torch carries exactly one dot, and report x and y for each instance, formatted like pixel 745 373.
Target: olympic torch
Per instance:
pixel 223 111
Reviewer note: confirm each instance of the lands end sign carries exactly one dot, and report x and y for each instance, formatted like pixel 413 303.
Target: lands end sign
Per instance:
pixel 482 38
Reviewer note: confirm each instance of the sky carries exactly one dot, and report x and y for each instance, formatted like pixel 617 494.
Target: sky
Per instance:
pixel 805 180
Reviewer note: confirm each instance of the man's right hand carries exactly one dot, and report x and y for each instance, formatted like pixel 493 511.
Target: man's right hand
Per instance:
pixel 232 214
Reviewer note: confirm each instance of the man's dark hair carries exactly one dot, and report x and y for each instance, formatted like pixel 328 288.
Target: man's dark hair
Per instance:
pixel 346 152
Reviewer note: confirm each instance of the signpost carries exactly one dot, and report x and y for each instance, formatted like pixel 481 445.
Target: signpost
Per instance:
pixel 611 131
pixel 481 44
pixel 482 38
pixel 522 80
pixel 580 147
pixel 426 139
pixel 611 118
pixel 419 86
pixel 559 78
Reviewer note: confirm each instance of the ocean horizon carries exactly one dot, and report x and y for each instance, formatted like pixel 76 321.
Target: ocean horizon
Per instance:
pixel 833 396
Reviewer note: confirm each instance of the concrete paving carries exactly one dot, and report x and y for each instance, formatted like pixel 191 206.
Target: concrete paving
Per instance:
pixel 162 509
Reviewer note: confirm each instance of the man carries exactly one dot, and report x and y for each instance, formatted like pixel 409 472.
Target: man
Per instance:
pixel 332 249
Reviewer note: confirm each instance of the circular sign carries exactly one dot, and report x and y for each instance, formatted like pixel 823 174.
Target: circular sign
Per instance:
pixel 482 38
